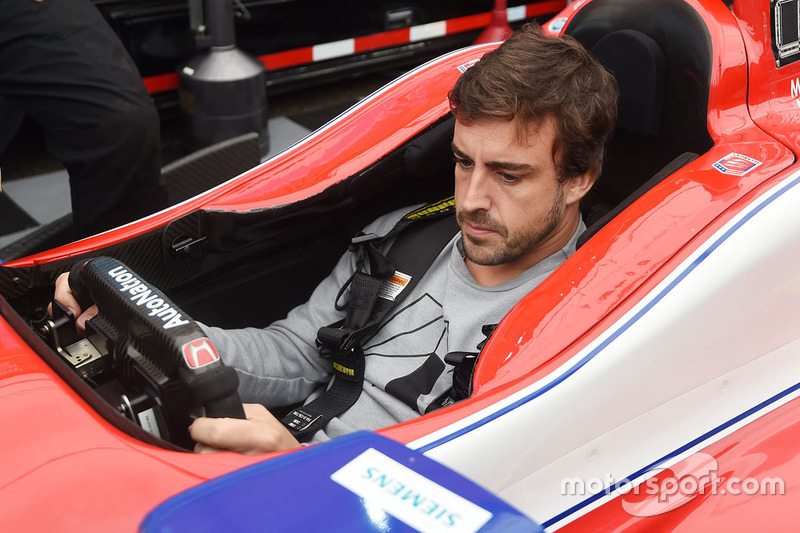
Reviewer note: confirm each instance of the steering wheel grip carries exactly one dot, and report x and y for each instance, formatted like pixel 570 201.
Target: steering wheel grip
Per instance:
pixel 78 287
pixel 159 331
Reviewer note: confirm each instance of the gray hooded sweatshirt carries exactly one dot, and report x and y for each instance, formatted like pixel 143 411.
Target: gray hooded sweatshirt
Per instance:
pixel 405 371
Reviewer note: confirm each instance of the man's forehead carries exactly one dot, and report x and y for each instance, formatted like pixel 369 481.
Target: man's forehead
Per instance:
pixel 504 136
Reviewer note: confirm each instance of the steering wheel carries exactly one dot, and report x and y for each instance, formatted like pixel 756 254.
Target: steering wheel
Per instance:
pixel 169 369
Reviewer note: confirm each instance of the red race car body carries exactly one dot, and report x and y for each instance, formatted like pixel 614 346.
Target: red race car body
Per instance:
pixel 650 383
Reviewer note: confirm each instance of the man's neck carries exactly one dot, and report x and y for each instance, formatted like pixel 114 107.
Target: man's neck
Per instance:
pixel 490 276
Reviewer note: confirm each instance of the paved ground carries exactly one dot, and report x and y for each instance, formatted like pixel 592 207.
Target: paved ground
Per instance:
pixel 35 188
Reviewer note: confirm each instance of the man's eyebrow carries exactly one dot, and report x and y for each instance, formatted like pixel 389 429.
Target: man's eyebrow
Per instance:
pixel 505 165
pixel 457 152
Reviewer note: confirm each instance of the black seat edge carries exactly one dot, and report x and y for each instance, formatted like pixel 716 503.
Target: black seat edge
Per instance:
pixel 671 167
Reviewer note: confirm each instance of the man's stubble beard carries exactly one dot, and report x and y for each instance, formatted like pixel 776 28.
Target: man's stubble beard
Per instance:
pixel 513 246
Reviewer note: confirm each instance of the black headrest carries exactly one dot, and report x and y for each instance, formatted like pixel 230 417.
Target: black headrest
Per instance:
pixel 429 152
pixel 639 65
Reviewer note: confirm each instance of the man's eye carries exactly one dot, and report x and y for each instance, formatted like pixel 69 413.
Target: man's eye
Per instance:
pixel 463 163
pixel 508 178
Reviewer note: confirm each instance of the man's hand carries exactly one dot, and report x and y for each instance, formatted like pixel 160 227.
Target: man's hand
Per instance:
pixel 259 433
pixel 64 295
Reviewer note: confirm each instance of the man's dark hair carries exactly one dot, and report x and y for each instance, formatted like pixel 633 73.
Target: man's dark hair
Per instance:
pixel 532 76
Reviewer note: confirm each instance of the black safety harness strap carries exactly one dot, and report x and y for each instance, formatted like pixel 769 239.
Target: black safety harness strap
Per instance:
pixel 419 238
pixel 463 364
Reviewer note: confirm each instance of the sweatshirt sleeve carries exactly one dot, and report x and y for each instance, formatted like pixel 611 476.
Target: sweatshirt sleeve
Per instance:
pixel 279 365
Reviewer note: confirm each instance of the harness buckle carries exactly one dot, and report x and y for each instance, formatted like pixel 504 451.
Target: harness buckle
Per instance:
pixel 364 237
pixel 358 242
pixel 334 340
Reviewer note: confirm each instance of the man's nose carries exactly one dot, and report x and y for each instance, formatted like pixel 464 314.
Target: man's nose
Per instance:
pixel 477 195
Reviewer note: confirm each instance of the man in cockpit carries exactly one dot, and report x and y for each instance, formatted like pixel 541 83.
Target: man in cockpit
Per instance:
pixel 532 121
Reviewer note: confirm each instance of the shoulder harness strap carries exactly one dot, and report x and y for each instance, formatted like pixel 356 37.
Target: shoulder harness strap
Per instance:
pixel 419 238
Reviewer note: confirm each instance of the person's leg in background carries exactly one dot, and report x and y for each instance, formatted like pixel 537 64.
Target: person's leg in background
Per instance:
pixel 66 69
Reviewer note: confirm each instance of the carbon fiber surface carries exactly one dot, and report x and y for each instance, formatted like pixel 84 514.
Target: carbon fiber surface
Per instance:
pixel 157 346
pixel 208 167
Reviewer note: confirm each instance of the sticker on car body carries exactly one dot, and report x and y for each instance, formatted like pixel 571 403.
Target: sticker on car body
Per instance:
pixel 408 496
pixel 735 164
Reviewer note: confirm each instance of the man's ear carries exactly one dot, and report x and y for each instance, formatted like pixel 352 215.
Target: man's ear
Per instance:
pixel 578 186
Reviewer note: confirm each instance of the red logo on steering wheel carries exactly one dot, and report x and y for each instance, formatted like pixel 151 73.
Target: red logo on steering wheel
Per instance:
pixel 199 352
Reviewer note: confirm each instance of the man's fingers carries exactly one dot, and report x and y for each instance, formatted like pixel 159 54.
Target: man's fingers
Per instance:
pixel 256 410
pixel 219 433
pixel 259 433
pixel 80 322
pixel 202 448
pixel 64 295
